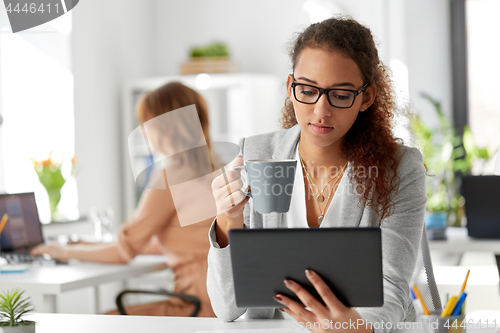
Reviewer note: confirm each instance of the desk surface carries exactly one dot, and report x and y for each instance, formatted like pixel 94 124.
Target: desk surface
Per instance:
pixel 63 323
pixel 458 241
pixel 62 278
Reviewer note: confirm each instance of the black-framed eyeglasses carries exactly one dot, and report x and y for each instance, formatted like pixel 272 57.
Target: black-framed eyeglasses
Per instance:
pixel 339 98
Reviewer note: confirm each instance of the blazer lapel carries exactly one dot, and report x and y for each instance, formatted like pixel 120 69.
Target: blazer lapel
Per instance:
pixel 286 147
pixel 284 150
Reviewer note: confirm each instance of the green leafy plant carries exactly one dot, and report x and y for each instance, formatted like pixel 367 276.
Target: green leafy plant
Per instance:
pixel 446 154
pixel 13 306
pixel 215 49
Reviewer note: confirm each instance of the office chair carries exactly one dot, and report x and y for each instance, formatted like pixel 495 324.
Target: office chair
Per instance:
pixel 193 299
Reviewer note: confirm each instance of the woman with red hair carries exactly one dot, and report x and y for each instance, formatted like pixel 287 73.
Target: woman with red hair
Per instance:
pixel 156 224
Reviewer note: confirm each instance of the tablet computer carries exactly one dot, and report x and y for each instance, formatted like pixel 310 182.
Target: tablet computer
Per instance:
pixel 348 259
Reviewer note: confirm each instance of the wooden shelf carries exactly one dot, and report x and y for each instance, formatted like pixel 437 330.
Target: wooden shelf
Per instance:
pixel 209 65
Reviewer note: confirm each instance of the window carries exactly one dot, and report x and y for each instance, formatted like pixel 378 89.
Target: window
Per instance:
pixel 483 70
pixel 475 72
pixel 36 90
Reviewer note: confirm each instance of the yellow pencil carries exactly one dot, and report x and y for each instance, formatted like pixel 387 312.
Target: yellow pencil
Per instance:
pixel 4 221
pixel 449 306
pixel 461 290
pixel 417 294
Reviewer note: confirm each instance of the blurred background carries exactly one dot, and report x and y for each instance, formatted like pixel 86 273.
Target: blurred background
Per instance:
pixel 70 86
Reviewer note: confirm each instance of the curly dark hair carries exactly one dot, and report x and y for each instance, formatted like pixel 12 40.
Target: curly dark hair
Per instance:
pixel 369 142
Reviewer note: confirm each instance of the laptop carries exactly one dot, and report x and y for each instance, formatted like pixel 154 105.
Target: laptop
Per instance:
pixel 348 259
pixel 23 230
pixel 482 205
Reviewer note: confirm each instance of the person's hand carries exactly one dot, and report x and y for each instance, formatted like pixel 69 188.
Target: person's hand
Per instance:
pixel 229 200
pixel 55 251
pixel 330 317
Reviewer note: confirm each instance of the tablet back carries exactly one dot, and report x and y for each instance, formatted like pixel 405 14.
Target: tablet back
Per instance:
pixel 348 259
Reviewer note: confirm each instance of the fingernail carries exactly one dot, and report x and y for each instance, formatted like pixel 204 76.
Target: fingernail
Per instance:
pixel 309 273
pixel 279 299
pixel 281 309
pixel 289 283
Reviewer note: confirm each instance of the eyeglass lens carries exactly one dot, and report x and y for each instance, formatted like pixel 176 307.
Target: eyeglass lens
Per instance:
pixel 338 98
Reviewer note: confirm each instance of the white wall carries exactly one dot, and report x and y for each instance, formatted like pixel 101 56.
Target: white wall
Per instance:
pixel 257 33
pixel 429 54
pixel 111 42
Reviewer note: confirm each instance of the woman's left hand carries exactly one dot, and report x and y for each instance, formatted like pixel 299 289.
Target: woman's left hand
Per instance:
pixel 333 316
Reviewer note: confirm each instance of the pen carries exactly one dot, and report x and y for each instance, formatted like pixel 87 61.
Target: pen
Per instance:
pixel 417 294
pixel 465 283
pixel 3 222
pixel 459 305
pixel 416 303
pixel 449 306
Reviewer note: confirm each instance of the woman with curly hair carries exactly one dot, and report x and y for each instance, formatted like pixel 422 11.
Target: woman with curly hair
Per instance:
pixel 337 122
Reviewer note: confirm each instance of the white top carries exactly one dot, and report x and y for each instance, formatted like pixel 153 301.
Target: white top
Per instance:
pixel 297 215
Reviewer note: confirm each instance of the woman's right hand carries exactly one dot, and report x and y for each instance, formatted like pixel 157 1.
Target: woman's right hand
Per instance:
pixel 229 200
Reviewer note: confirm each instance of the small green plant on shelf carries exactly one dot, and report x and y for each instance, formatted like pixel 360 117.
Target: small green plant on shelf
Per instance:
pixel 13 306
pixel 215 49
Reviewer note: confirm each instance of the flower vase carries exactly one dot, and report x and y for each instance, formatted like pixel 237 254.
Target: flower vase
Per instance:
pixel 54 198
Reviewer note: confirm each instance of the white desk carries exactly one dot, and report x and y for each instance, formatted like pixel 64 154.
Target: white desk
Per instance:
pixel 63 323
pixel 48 282
pixel 458 241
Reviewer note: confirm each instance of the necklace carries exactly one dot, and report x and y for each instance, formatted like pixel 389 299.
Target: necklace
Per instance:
pixel 320 198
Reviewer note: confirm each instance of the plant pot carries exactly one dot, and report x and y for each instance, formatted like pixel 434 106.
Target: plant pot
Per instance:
pixel 436 220
pixel 435 223
pixel 18 329
pixel 209 65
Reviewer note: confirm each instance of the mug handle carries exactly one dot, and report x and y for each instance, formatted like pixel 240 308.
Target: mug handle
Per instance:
pixel 249 193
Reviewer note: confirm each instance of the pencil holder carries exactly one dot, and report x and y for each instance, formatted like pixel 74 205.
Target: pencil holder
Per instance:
pixel 435 324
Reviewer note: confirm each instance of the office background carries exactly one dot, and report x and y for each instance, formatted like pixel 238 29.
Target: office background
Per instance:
pixel 87 56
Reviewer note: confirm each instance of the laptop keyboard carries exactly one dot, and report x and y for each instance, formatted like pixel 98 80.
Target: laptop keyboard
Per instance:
pixel 21 258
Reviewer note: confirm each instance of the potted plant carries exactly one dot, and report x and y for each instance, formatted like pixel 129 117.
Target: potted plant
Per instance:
pixel 13 306
pixel 212 50
pixel 212 58
pixel 446 155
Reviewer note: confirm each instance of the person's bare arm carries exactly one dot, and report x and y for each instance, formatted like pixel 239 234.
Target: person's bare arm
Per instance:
pixel 106 253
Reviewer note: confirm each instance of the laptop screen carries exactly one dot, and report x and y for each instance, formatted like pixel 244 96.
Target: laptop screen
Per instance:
pixel 23 229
